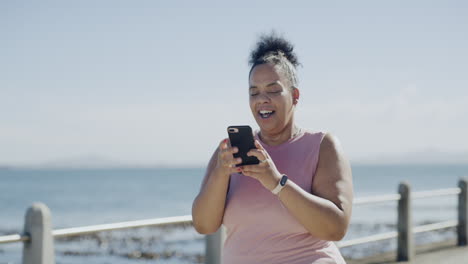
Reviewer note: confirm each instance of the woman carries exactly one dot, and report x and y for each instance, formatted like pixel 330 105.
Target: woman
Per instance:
pixel 289 207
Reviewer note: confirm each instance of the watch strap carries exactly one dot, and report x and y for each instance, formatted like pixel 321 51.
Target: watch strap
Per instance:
pixel 280 185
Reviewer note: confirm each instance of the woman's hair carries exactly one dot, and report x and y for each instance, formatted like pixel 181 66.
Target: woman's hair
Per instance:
pixel 276 50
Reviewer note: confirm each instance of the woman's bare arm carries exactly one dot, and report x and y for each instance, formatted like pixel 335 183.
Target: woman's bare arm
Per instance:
pixel 208 206
pixel 326 211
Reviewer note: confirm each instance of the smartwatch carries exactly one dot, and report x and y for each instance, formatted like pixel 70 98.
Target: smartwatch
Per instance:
pixel 280 185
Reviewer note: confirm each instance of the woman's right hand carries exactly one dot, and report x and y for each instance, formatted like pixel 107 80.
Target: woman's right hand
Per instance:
pixel 226 163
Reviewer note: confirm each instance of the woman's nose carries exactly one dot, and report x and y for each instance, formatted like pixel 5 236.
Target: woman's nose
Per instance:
pixel 263 98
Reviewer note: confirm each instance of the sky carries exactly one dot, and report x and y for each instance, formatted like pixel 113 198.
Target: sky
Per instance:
pixel 158 82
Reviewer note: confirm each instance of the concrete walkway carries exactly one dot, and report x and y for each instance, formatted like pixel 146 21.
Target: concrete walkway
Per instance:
pixel 441 253
pixel 453 255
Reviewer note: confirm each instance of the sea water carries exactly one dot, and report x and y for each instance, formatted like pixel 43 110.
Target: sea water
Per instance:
pixel 79 197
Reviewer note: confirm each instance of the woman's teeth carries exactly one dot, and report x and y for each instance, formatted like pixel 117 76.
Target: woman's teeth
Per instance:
pixel 265 113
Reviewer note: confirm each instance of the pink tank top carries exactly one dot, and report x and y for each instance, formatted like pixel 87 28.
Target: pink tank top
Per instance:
pixel 259 228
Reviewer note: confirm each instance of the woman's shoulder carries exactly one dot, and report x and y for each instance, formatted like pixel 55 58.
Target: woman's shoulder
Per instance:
pixel 325 139
pixel 309 139
pixel 313 134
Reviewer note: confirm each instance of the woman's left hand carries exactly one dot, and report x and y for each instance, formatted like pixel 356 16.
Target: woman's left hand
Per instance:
pixel 265 172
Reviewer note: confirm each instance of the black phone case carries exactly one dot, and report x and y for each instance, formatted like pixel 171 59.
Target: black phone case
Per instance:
pixel 243 139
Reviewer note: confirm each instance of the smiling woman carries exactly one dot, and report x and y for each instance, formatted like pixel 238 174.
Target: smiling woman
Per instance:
pixel 290 206
pixel 271 99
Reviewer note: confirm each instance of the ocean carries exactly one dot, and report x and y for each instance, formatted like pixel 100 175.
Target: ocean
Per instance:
pixel 79 197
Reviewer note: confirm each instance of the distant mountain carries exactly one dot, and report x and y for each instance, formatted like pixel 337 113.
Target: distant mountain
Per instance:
pixel 428 156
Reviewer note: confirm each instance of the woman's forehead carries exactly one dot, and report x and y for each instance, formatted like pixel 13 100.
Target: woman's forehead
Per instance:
pixel 264 74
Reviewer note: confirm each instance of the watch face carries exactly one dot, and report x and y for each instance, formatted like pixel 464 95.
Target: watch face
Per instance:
pixel 283 180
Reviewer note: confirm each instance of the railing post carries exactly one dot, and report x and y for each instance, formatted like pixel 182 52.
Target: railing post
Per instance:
pixel 40 248
pixel 462 230
pixel 405 251
pixel 214 245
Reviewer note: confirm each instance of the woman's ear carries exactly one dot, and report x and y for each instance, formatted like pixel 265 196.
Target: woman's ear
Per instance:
pixel 295 94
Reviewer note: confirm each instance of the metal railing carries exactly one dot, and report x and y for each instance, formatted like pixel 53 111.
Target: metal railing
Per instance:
pixel 77 231
pixel 38 246
pixel 405 230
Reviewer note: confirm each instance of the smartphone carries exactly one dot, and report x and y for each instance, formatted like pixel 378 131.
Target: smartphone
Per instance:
pixel 242 138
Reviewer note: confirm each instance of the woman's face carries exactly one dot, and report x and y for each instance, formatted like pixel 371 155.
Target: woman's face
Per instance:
pixel 271 98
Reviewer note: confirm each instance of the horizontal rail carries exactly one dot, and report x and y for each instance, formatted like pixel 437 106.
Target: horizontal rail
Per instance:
pixel 75 231
pixel 186 219
pixel 377 199
pixel 13 238
pixel 435 226
pixel 414 195
pixel 367 239
pixel 435 193
pixel 390 235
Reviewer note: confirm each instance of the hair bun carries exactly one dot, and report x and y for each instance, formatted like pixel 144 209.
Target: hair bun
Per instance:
pixel 272 44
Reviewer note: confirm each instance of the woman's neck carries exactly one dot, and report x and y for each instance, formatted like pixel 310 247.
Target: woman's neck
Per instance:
pixel 274 139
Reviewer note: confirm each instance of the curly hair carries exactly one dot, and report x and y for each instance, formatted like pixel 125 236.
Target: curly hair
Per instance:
pixel 276 50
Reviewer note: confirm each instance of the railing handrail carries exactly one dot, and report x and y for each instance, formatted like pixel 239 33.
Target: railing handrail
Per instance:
pixel 83 230
pixel 436 193
pixel 74 231
pixel 435 226
pixel 187 219
pixel 415 195
pixel 367 239
pixel 394 234
pixel 376 199
pixel 13 238
pixel 38 228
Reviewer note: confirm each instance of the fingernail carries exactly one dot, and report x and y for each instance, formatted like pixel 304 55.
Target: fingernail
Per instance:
pixel 239 169
pixel 239 160
pixel 225 140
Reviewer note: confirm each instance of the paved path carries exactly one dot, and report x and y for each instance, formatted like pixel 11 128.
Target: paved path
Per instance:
pixel 453 255
pixel 441 253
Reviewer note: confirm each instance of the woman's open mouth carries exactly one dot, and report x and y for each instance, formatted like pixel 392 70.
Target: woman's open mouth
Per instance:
pixel 264 114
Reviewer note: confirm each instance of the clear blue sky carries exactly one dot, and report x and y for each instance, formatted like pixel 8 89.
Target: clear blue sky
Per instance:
pixel 158 82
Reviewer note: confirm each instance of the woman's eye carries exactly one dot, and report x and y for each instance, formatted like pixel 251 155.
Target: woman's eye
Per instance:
pixel 253 94
pixel 274 92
